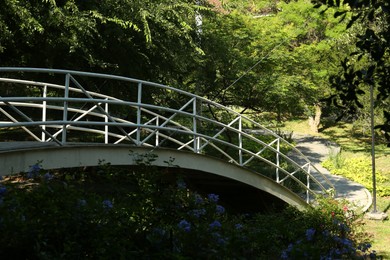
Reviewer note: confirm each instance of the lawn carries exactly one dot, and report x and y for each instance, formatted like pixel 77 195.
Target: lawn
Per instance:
pixel 355 144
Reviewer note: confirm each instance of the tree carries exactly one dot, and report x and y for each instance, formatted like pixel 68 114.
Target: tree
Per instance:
pixel 149 40
pixel 145 39
pixel 263 56
pixel 373 44
pixel 269 56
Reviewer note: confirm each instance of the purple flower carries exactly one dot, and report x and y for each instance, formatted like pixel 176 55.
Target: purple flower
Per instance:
pixel 47 176
pixel 284 255
pixel 198 199
pixel 3 190
pixel 343 227
pixel 215 224
pixel 82 203
pixel 219 209
pixel 33 171
pixel 219 239
pixel 181 184
pixel 35 168
pixel 238 226
pixel 213 197
pixel 346 242
pixel 364 247
pixel 310 233
pixel 107 204
pixel 325 233
pixel 198 212
pixel 184 225
pixel 336 239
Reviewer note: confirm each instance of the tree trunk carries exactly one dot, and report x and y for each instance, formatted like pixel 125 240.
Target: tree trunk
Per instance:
pixel 279 115
pixel 314 122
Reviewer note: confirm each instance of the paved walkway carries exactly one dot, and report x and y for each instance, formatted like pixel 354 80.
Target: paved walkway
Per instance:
pixel 317 149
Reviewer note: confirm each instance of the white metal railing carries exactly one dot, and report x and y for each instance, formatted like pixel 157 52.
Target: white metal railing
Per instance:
pixel 61 112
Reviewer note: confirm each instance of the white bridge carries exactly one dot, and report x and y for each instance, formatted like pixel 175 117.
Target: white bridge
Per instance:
pixel 70 118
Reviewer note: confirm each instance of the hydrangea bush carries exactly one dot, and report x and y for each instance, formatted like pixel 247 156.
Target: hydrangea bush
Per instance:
pixel 142 213
pixel 332 231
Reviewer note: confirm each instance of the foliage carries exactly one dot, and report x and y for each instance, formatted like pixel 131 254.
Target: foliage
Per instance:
pixel 373 45
pixel 124 37
pixel 332 232
pixel 272 56
pixel 114 212
pixel 358 169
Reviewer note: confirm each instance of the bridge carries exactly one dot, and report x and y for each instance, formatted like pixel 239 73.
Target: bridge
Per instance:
pixel 70 118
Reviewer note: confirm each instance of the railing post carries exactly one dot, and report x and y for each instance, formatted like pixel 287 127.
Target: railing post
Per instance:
pixel 277 160
pixel 240 140
pixel 44 114
pixel 106 121
pixel 157 132
pixel 139 100
pixel 308 183
pixel 194 122
pixel 65 112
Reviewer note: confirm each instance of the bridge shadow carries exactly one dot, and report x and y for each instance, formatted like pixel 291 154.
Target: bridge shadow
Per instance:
pixel 235 196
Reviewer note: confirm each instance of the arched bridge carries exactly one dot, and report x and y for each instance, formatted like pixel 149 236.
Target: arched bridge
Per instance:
pixel 71 118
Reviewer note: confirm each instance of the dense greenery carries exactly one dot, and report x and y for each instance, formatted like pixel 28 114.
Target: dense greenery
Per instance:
pixel 372 19
pixel 145 39
pixel 259 56
pixel 142 213
pixel 273 56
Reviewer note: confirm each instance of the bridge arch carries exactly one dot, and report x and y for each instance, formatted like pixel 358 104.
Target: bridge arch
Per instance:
pixel 67 107
pixel 72 156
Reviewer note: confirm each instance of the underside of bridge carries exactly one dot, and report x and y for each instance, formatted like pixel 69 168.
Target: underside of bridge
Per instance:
pixel 240 189
pixel 234 195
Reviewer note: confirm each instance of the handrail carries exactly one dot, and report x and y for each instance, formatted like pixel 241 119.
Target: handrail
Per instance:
pixel 73 107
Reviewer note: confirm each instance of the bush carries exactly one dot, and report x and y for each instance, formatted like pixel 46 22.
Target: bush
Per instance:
pixel 117 213
pixel 332 231
pixel 358 169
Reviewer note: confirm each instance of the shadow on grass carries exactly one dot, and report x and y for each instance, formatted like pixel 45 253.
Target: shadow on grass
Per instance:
pixel 348 141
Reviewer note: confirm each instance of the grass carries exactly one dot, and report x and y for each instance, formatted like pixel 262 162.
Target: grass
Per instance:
pixel 380 230
pixel 355 144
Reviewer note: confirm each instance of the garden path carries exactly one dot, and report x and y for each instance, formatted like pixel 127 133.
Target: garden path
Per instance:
pixel 318 149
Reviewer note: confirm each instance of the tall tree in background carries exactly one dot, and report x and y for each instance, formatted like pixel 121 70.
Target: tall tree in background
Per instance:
pixel 145 39
pixel 272 56
pixel 373 45
pixel 262 56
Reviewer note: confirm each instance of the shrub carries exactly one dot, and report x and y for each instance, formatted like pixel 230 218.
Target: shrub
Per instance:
pixel 358 169
pixel 331 231
pixel 115 213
